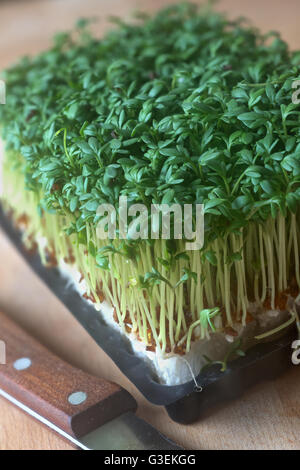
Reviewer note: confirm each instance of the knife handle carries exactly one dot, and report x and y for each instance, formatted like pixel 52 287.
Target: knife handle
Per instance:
pixel 72 400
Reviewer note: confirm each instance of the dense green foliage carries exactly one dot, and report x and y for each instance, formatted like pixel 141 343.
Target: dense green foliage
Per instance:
pixel 162 111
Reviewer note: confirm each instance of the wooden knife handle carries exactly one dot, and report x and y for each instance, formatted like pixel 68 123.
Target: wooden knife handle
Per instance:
pixel 72 400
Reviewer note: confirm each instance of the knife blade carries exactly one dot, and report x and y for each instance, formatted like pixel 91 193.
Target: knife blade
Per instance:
pixel 90 412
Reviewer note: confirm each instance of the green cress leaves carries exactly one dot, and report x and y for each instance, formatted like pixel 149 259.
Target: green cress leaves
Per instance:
pixel 180 107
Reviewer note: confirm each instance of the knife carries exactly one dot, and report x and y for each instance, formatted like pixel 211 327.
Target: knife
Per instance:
pixel 92 413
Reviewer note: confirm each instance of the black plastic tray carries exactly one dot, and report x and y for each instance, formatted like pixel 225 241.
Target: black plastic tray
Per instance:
pixel 184 403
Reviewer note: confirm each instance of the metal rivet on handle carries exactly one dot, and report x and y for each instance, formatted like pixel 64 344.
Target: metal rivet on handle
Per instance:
pixel 22 364
pixel 77 398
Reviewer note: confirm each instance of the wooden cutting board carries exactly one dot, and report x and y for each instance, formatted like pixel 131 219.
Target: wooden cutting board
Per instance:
pixel 268 416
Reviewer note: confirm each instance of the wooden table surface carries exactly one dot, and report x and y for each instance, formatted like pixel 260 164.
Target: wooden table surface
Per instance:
pixel 268 416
